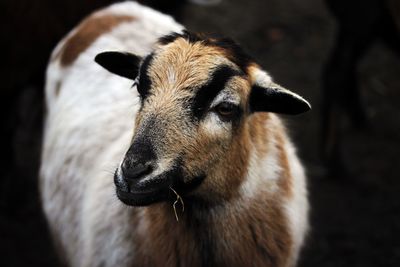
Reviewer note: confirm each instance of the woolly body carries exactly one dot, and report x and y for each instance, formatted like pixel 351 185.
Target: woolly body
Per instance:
pixel 89 128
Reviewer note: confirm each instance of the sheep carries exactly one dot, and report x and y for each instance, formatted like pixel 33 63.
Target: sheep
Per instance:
pixel 189 167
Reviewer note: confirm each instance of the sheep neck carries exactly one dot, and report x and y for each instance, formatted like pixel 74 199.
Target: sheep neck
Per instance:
pixel 216 236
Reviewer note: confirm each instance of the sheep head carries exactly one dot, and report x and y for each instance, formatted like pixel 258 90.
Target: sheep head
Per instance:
pixel 197 98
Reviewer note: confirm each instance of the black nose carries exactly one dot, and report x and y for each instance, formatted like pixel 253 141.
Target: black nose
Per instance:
pixel 134 171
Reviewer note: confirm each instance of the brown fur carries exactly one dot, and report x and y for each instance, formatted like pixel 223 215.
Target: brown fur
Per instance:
pixel 166 242
pixel 190 61
pixel 191 64
pixel 258 132
pixel 221 229
pixel 228 173
pixel 286 179
pixel 86 33
pixel 229 239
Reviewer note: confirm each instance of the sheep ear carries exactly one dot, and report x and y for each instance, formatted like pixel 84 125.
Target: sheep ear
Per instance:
pixel 120 63
pixel 267 96
pixel 278 100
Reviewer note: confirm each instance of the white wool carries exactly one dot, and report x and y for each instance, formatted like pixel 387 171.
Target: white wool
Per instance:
pixel 88 96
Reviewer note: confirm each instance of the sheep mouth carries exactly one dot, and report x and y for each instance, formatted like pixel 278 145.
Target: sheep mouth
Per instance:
pixel 158 189
pixel 140 198
pixel 141 192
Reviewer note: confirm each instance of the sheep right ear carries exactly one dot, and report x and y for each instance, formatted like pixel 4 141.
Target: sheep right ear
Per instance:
pixel 277 99
pixel 267 96
pixel 120 63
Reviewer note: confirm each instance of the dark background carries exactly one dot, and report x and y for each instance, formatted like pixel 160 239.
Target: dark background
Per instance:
pixel 355 212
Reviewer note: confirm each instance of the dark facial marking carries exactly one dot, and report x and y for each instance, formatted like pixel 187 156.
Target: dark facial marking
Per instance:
pixel 234 52
pixel 140 152
pixel 142 146
pixel 209 91
pixel 144 84
pixel 232 49
pixel 190 37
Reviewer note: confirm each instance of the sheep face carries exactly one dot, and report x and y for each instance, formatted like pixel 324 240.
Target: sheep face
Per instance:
pixel 190 133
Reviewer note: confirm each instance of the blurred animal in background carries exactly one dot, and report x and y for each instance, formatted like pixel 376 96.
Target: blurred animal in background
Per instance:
pixel 197 147
pixel 360 24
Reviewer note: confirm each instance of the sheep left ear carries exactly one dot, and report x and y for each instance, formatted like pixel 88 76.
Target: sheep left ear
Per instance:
pixel 121 63
pixel 267 96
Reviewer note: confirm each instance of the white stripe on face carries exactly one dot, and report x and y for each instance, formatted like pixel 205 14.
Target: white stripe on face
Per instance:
pixel 212 123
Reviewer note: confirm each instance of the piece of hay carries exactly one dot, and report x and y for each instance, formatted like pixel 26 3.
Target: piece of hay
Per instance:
pixel 178 198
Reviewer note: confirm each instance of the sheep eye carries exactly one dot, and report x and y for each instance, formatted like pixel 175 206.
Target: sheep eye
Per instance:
pixel 225 110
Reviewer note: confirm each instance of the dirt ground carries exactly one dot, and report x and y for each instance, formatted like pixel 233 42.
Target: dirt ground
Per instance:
pixel 355 218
